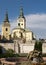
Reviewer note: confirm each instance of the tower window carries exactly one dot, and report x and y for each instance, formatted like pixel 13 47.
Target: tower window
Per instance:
pixel 21 24
pixel 18 24
pixel 6 29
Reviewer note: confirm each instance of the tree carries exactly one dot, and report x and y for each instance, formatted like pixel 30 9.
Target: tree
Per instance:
pixel 38 45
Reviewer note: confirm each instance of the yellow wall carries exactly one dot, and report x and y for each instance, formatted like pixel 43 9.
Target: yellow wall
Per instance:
pixel 6 33
pixel 17 33
pixel 29 36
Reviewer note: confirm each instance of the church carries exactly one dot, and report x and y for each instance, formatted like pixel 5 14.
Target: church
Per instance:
pixel 20 32
pixel 21 39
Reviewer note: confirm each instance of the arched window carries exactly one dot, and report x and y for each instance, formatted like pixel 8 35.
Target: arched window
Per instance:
pixel 6 29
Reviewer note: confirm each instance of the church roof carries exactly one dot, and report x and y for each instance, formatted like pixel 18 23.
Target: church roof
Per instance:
pixel 6 24
pixel 6 17
pixel 21 13
pixel 28 30
pixel 18 28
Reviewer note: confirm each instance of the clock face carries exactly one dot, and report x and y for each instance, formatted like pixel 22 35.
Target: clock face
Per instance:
pixel 20 20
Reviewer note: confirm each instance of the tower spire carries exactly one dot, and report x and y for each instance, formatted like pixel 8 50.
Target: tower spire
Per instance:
pixel 6 17
pixel 21 12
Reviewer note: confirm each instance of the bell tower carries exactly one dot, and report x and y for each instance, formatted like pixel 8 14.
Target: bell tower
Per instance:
pixel 21 19
pixel 6 28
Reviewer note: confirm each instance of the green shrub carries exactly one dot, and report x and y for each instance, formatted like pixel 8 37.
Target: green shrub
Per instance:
pixel 5 55
pixel 9 51
pixel 38 45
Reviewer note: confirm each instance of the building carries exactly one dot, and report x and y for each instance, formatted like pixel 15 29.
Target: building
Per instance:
pixel 21 31
pixel 6 28
pixel 44 46
pixel 21 40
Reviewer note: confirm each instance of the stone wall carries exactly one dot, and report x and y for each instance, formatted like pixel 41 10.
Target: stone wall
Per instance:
pixel 19 47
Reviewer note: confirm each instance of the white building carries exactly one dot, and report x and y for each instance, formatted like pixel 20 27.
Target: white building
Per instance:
pixel 44 47
pixel 21 31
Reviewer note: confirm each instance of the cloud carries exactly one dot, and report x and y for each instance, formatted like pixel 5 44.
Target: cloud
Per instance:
pixel 36 21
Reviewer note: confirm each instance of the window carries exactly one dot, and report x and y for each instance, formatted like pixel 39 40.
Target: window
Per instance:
pixel 21 24
pixel 6 29
pixel 18 24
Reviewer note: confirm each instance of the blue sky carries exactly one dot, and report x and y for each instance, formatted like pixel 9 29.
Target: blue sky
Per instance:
pixel 30 7
pixel 34 11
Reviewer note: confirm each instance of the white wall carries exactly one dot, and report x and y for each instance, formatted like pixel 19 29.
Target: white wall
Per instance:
pixel 26 48
pixel 44 48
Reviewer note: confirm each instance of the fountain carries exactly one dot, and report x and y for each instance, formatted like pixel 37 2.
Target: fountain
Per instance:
pixel 35 56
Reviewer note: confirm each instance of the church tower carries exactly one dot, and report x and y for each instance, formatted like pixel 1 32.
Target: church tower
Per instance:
pixel 6 28
pixel 21 20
